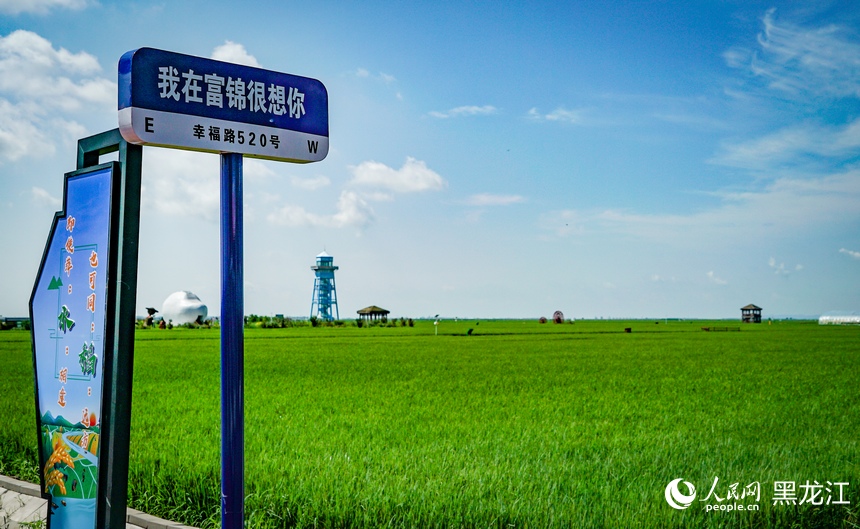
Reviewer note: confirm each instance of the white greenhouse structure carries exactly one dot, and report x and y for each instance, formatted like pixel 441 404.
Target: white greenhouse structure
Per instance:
pixel 839 318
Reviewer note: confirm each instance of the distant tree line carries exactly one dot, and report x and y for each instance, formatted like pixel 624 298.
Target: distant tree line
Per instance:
pixel 255 321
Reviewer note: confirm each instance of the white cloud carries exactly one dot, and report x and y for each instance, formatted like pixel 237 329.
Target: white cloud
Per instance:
pixel 234 52
pixel 256 170
pixel 295 216
pixel 781 269
pixel 797 60
pixel 489 199
pixel 41 196
pixel 560 114
pixel 352 211
pixel 25 50
pixel 378 196
pixel 19 135
pixel 471 110
pixel 785 205
pixel 382 76
pixel 712 277
pixel 268 198
pixel 789 144
pixel 385 79
pixel 39 7
pixel 310 184
pixel 31 70
pixel 414 176
pixel 39 86
pixel 180 183
pixel 850 253
pixel 71 131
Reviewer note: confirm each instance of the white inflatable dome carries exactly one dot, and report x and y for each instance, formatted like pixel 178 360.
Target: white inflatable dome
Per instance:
pixel 183 307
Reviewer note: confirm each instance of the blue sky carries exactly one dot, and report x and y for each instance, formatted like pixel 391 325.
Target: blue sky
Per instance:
pixel 633 159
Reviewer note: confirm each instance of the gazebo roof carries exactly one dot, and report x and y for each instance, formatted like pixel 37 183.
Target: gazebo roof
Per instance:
pixel 751 307
pixel 373 309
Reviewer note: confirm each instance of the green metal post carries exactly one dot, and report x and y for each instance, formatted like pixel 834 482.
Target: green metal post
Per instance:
pixel 122 293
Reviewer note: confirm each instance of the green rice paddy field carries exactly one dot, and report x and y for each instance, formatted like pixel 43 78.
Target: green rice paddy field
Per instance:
pixel 518 425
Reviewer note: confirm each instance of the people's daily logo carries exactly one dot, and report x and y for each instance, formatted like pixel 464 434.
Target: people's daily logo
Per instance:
pixel 677 499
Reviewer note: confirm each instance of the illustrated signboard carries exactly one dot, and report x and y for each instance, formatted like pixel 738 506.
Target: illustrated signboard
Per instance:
pixel 69 314
pixel 174 100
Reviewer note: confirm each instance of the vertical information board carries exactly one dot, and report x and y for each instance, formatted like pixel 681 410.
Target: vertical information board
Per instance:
pixel 69 310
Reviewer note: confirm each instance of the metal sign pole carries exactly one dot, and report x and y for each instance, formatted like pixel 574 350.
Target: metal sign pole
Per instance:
pixel 278 116
pixel 232 345
pixel 120 338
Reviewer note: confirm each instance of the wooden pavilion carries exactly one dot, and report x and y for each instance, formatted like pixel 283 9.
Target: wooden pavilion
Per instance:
pixel 372 313
pixel 751 314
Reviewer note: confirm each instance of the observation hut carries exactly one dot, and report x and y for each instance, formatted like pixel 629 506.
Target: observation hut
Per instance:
pixel 751 314
pixel 324 300
pixel 372 313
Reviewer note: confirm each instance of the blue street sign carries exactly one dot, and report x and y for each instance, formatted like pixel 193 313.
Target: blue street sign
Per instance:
pixel 174 100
